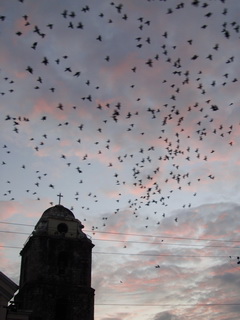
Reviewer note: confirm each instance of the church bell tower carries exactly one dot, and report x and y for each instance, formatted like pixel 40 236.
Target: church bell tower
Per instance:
pixel 55 279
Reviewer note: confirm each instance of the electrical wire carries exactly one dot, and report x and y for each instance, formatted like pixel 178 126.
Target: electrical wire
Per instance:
pixel 161 255
pixel 169 305
pixel 160 236
pixel 145 254
pixel 139 242
pixel 166 244
pixel 15 232
pixel 133 234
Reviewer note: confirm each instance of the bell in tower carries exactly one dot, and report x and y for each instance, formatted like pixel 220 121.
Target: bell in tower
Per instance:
pixel 55 279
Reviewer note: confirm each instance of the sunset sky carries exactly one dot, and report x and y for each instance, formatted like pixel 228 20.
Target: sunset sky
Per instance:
pixel 131 111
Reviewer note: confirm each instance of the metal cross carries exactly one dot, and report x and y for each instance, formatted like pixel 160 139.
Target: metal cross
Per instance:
pixel 60 196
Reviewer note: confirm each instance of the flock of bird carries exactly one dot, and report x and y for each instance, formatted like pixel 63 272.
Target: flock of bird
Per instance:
pixel 148 124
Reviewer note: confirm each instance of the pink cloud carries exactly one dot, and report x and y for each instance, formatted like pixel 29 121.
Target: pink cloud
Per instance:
pixel 42 107
pixel 20 74
pixel 9 209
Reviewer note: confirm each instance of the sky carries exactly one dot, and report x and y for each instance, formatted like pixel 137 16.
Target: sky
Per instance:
pixel 130 110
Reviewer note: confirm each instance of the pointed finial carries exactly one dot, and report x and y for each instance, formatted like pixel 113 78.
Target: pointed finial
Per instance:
pixel 59 196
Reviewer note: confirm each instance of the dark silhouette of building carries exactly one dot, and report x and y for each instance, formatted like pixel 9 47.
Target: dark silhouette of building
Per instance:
pixel 7 290
pixel 55 279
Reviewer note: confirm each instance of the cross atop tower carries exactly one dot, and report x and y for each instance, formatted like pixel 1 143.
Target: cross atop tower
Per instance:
pixel 59 196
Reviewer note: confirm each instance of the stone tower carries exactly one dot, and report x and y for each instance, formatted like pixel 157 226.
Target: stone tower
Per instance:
pixel 55 279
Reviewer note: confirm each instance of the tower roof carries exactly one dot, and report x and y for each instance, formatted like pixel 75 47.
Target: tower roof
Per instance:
pixel 58 211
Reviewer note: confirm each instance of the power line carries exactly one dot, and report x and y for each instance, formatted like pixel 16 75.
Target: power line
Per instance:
pixel 161 255
pixel 139 242
pixel 160 236
pixel 10 247
pixel 17 224
pixel 144 254
pixel 165 305
pixel 169 305
pixel 133 234
pixel 15 232
pixel 166 244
